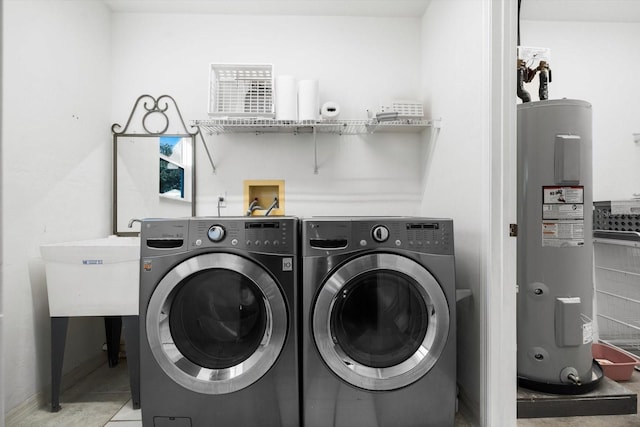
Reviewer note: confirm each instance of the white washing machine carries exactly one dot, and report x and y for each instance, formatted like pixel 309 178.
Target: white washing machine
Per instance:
pixel 378 328
pixel 218 322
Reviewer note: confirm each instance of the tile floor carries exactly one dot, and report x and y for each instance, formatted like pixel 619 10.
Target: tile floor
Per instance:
pixel 102 399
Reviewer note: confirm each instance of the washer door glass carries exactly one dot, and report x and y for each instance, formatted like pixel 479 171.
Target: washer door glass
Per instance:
pixel 381 321
pixel 216 323
pixel 217 318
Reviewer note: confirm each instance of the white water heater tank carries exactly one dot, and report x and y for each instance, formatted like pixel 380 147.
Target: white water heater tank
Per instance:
pixel 555 247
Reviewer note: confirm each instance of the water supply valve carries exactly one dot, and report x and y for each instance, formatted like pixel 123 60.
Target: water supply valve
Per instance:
pixel 526 75
pixel 545 79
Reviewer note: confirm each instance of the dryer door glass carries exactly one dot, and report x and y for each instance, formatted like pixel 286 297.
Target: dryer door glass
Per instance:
pixel 217 318
pixel 380 321
pixel 216 323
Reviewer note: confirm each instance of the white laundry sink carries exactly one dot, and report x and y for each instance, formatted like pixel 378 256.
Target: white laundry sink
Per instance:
pixel 97 277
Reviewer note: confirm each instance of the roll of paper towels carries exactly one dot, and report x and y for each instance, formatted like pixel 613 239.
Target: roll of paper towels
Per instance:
pixel 286 98
pixel 308 100
pixel 330 110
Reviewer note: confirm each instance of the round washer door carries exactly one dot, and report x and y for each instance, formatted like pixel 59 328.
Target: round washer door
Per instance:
pixel 216 323
pixel 380 321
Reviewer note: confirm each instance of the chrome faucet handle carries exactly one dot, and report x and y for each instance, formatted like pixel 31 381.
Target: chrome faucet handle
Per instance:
pixel 134 220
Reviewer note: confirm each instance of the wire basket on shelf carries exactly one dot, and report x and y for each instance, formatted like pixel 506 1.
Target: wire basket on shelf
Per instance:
pixel 616 248
pixel 241 90
pixel 618 306
pixel 405 109
pixel 623 215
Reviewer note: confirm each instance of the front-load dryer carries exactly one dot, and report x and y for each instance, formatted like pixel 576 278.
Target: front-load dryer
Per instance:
pixel 218 321
pixel 378 331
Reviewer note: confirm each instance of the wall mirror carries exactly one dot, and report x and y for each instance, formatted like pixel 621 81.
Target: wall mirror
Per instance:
pixel 153 165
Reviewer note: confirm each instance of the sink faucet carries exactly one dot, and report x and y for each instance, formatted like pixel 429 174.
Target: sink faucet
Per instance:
pixel 134 220
pixel 253 206
pixel 273 205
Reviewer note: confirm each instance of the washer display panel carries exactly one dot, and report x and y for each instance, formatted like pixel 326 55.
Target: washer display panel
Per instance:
pixel 216 323
pixel 380 321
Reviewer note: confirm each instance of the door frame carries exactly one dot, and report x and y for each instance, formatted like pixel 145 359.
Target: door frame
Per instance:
pixel 498 302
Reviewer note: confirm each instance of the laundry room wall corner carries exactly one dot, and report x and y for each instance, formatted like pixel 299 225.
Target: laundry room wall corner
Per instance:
pixel 468 180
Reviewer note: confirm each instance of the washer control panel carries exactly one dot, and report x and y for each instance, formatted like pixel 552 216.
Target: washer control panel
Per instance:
pixel 216 233
pixel 380 233
pixel 269 235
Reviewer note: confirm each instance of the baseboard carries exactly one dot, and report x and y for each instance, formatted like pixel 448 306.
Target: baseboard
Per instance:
pixel 42 399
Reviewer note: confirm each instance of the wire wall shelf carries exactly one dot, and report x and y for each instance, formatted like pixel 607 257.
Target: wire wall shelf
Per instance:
pixel 335 127
pixel 258 126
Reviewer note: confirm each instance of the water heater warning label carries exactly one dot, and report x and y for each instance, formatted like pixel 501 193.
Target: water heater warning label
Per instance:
pixel 562 233
pixel 562 216
pixel 563 195
pixel 574 211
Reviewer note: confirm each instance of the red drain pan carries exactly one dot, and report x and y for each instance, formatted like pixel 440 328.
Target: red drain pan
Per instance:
pixel 616 364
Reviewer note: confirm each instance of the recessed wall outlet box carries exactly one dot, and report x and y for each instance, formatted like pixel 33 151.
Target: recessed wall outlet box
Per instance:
pixel 262 196
pixel 533 55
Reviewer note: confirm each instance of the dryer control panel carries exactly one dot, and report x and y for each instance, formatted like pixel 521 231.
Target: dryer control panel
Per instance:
pixel 267 235
pixel 424 235
pixel 437 237
pixel 416 234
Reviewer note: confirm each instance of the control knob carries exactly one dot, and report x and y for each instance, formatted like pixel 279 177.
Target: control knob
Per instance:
pixel 216 233
pixel 380 233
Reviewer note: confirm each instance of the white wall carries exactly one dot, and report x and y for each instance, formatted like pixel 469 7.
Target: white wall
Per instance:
pixel 598 62
pixel 359 63
pixel 55 171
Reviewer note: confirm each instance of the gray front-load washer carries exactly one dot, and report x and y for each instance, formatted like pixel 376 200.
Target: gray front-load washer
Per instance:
pixel 378 330
pixel 218 322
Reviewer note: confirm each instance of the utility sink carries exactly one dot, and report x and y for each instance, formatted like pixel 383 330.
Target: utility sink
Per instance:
pixel 97 277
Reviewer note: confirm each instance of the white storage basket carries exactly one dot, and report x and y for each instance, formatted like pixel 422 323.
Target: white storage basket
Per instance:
pixel 241 90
